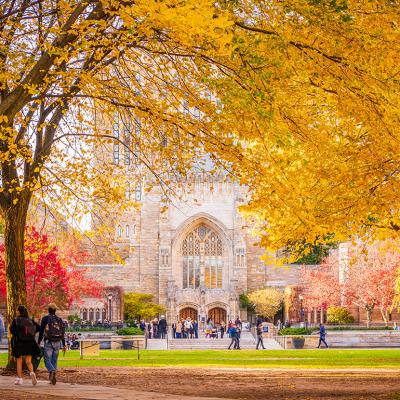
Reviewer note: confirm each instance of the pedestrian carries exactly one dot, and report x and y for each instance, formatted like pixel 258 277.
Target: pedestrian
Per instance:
pixel 142 325
pixel 2 328
pixel 155 329
pixel 173 326
pixel 52 331
pixel 233 335
pixel 196 329
pixel 179 327
pixel 23 343
pixel 149 328
pixel 162 327
pixel 322 334
pixel 222 329
pixel 260 337
pixel 279 325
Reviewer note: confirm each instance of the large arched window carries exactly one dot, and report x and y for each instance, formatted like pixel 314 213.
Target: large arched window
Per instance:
pixel 202 248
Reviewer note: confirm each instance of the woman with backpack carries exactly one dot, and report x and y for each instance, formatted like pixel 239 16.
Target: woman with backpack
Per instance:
pixel 23 343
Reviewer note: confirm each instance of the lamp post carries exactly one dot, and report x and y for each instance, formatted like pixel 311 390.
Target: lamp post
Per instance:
pixel 110 308
pixel 301 308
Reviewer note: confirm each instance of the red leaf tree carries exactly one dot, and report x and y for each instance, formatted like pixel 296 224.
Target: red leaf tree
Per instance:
pixel 320 287
pixel 52 274
pixel 370 279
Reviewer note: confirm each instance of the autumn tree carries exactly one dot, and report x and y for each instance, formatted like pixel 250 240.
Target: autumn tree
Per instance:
pixel 67 69
pixel 313 93
pixel 52 274
pixel 141 306
pixel 320 286
pixel 370 280
pixel 267 301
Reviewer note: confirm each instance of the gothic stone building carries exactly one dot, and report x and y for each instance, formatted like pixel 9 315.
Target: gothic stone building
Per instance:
pixel 196 257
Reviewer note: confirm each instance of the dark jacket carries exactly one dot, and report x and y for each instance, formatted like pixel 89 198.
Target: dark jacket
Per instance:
pixel 162 325
pixel 26 348
pixel 44 322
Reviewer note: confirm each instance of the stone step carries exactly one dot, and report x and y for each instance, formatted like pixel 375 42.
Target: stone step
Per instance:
pixel 218 344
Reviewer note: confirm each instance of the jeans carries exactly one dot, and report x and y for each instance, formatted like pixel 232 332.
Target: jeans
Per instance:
pixel 260 341
pixel 322 340
pixel 51 350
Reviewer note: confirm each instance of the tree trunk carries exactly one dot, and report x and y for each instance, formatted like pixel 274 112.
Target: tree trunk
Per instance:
pixel 385 315
pixel 15 220
pixel 369 315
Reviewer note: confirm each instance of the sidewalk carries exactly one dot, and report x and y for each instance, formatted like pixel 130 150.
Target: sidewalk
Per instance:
pixel 87 392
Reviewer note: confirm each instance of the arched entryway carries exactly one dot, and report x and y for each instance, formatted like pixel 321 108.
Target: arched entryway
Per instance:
pixel 217 314
pixel 188 312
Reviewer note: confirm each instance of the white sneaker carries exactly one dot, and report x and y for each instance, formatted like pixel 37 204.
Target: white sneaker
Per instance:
pixel 33 378
pixel 18 381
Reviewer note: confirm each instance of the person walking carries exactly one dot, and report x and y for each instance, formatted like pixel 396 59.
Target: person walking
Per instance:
pixel 233 335
pixel 179 327
pixel 2 328
pixel 52 331
pixel 173 326
pixel 162 326
pixel 196 329
pixel 322 335
pixel 23 343
pixel 260 340
pixel 222 329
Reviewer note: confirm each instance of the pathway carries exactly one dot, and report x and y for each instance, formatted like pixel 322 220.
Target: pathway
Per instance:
pixel 87 392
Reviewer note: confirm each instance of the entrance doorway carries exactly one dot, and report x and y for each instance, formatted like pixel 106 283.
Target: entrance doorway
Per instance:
pixel 188 312
pixel 217 314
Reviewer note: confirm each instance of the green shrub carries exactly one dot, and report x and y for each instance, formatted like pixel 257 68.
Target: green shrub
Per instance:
pixel 296 331
pixel 339 315
pixel 129 331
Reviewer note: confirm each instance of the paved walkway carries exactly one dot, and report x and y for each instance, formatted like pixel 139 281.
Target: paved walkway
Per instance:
pixel 87 392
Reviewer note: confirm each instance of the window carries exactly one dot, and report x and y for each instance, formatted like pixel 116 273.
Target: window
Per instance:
pixel 202 245
pixel 97 314
pixel 164 257
pixel 119 231
pixel 84 314
pixel 138 131
pixel 240 257
pixel 138 192
pixel 134 230
pixel 91 315
pixel 127 231
pixel 127 142
pixel 116 142
pixel 128 191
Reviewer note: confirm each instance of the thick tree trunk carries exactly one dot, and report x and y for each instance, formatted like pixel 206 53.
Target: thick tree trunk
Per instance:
pixel 15 221
pixel 369 315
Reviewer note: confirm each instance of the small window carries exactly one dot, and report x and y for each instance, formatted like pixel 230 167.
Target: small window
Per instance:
pixel 128 191
pixel 127 231
pixel 134 229
pixel 138 192
pixel 116 142
pixel 119 231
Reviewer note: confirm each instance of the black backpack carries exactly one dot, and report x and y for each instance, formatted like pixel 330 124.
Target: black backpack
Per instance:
pixel 54 328
pixel 26 329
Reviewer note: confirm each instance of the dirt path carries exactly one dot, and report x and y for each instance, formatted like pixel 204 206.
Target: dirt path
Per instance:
pixel 245 384
pixel 238 384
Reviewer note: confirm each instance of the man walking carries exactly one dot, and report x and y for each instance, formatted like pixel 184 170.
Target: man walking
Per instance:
pixel 260 337
pixel 322 335
pixel 162 327
pixel 53 332
pixel 233 335
pixel 2 328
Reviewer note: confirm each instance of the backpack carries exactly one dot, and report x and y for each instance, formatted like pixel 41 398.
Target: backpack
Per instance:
pixel 26 329
pixel 54 329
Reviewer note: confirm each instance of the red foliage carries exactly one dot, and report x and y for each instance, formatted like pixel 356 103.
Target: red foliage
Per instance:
pixel 52 274
pixel 321 287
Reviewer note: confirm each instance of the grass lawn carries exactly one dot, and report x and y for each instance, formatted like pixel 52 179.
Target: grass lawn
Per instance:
pixel 245 358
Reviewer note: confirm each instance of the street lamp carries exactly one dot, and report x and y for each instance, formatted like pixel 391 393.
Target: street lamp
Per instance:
pixel 301 308
pixel 109 308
